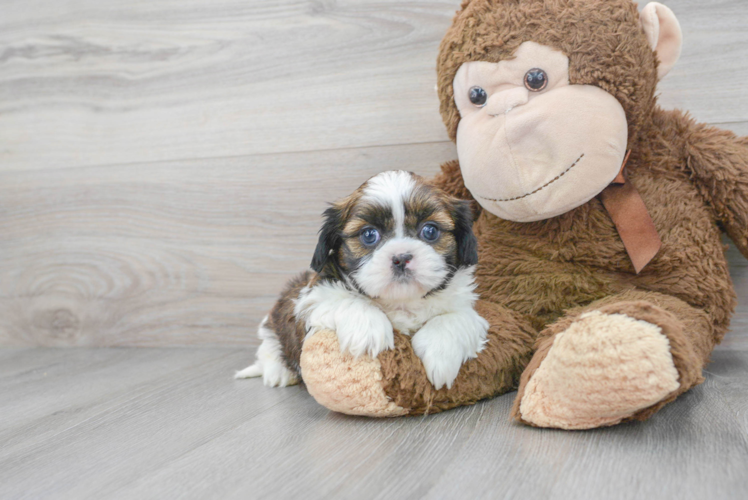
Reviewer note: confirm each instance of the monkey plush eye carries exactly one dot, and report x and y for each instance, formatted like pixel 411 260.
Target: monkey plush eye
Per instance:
pixel 430 232
pixel 370 236
pixel 478 96
pixel 536 80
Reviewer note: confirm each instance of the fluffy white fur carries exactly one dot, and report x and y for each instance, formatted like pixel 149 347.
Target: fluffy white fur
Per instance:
pixel 447 329
pixel 390 189
pixel 269 363
pixel 427 268
pixel 445 342
pixel 362 327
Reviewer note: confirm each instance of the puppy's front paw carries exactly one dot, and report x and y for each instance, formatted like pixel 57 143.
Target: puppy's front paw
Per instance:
pixel 363 329
pixel 442 365
pixel 446 342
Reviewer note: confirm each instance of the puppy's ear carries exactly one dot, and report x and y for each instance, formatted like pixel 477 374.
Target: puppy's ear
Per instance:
pixel 467 243
pixel 329 238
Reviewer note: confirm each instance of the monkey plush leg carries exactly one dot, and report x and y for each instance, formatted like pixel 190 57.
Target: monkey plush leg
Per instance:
pixel 395 382
pixel 618 359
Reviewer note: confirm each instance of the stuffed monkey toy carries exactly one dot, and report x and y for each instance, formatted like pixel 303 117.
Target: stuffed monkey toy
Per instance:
pixel 598 217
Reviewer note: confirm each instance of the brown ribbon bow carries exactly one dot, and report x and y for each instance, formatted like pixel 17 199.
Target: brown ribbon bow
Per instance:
pixel 632 220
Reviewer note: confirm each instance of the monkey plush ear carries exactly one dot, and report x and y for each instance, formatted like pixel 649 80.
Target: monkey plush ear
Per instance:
pixel 664 35
pixel 467 243
pixel 329 239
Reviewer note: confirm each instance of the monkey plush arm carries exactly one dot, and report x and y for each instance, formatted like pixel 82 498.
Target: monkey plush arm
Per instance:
pixel 718 161
pixel 395 382
pixel 450 180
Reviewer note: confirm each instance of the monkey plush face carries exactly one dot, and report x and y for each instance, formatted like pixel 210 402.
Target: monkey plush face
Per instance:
pixel 544 97
pixel 531 145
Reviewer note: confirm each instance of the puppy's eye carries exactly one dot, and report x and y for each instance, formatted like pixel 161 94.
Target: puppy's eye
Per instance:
pixel 370 236
pixel 430 232
pixel 536 80
pixel 478 96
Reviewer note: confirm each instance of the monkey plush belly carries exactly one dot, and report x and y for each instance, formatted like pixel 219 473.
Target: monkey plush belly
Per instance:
pixel 538 277
pixel 544 268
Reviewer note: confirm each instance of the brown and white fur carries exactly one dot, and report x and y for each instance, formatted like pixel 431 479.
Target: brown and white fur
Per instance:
pixel 398 254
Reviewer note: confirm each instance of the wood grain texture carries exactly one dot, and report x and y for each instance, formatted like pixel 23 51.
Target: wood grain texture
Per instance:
pixel 171 253
pixel 163 163
pixel 737 338
pixel 87 83
pixel 714 40
pixel 171 423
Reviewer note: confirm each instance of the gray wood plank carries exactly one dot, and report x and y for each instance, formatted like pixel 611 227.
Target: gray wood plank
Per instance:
pixel 729 369
pixel 333 456
pixel 93 257
pixel 190 252
pixel 114 437
pixel 683 452
pixel 86 83
pixel 737 338
pixel 154 423
pixel 739 128
pixel 714 39
pixel 78 385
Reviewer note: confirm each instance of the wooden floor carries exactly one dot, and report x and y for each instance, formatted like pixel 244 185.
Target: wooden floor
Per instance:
pixel 141 423
pixel 163 167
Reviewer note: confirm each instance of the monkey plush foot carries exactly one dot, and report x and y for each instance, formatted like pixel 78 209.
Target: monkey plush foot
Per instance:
pixel 602 369
pixel 343 383
pixel 395 382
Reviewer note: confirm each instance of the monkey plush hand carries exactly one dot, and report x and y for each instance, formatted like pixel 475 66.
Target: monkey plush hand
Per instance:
pixel 606 287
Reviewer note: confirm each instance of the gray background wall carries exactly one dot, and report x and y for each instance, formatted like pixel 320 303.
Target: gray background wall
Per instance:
pixel 163 163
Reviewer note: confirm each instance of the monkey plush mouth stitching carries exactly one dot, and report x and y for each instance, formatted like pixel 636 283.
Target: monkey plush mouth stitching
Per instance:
pixel 541 187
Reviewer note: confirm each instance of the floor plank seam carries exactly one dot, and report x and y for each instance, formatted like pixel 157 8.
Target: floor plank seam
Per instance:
pixel 226 157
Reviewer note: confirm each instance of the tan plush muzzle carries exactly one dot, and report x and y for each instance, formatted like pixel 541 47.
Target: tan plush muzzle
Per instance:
pixel 531 155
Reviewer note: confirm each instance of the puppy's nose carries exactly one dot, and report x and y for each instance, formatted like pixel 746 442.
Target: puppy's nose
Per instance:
pixel 400 261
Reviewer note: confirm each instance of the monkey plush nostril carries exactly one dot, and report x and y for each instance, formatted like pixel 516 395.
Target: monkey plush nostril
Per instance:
pixel 400 261
pixel 504 101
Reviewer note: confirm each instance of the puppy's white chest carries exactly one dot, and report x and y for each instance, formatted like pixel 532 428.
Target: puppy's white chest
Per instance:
pixel 407 320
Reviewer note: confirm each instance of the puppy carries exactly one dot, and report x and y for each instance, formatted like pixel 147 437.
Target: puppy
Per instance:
pixel 396 254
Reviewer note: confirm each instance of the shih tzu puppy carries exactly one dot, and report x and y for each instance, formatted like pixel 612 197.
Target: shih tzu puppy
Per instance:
pixel 396 254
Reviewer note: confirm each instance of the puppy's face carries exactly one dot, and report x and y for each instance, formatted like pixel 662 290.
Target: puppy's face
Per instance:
pixel 396 238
